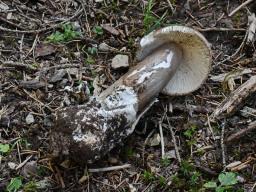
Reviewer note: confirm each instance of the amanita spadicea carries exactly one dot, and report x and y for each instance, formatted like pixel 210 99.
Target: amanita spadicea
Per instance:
pixel 173 60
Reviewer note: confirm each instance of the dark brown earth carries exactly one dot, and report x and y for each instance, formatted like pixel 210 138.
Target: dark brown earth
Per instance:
pixel 38 77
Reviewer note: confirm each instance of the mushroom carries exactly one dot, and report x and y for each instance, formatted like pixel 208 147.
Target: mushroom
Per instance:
pixel 196 57
pixel 173 60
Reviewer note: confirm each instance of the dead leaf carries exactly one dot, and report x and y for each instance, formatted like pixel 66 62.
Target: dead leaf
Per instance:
pixel 44 50
pixel 110 29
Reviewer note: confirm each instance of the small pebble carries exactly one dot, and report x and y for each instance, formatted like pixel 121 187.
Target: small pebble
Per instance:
pixel 120 61
pixel 12 165
pixel 112 160
pixel 30 119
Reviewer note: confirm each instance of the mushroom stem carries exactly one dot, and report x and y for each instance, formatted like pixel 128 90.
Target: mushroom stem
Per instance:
pixel 150 75
pixel 87 132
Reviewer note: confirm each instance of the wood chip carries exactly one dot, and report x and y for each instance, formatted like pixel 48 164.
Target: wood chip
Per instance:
pixel 252 28
pixel 32 84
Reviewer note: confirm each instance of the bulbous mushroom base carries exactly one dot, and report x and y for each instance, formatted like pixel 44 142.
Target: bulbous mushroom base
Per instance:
pixel 87 132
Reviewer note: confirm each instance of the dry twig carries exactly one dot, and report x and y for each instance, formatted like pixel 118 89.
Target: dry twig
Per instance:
pixel 240 7
pixel 241 133
pixel 113 168
pixel 232 103
pixel 174 140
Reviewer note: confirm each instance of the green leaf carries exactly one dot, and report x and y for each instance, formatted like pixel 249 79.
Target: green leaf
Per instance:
pixel 90 60
pixel 98 30
pixel 68 33
pixel 148 176
pixel 56 37
pixel 228 178
pixel 14 185
pixel 92 50
pixel 210 185
pixel 165 162
pixel 4 148
pixel 220 189
pixel 162 181
pixel 31 186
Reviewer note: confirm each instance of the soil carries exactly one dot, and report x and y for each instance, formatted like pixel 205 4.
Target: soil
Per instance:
pixel 43 71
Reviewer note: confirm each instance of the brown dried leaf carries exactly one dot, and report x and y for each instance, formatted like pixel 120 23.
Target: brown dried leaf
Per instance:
pixel 44 50
pixel 110 29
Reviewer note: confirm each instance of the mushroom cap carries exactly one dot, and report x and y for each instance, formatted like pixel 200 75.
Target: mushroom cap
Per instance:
pixel 195 65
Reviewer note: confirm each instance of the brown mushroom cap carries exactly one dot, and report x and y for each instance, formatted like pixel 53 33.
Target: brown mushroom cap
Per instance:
pixel 196 60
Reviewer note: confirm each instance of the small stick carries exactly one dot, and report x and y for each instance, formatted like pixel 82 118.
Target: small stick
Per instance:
pixel 24 162
pixel 162 139
pixel 17 65
pixel 233 102
pixel 222 144
pixel 145 143
pixel 241 133
pixel 60 178
pixel 142 113
pixel 239 7
pixel 174 140
pixel 6 68
pixel 11 23
pixel 210 127
pixel 40 102
pixel 219 29
pixel 252 189
pixel 113 168
pixel 62 66
pixel 171 6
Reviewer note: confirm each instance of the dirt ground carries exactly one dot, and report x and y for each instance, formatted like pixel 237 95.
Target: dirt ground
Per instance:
pixel 51 56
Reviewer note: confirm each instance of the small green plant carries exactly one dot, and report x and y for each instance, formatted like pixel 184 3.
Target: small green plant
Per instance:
pixel 150 21
pixel 189 133
pixel 162 181
pixel 4 148
pixel 148 176
pixel 195 178
pixel 226 182
pixel 90 60
pixel 178 182
pixel 90 86
pixel 98 30
pixel 67 33
pixel 149 18
pixel 14 185
pixel 165 162
pixel 31 186
pixel 187 178
pixel 129 152
pixel 186 168
pixel 92 50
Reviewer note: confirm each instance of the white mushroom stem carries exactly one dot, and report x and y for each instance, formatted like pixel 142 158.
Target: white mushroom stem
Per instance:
pixel 87 132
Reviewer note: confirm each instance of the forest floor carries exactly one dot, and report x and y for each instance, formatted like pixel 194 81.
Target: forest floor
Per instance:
pixel 51 52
